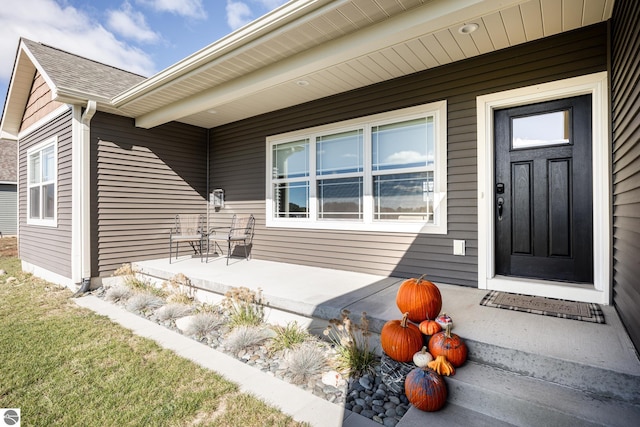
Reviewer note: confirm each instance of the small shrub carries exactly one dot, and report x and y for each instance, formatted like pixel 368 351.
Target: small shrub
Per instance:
pixel 244 307
pixel 143 302
pixel 131 279
pixel 202 324
pixel 117 294
pixel 351 341
pixel 180 289
pixel 173 311
pixel 288 336
pixel 245 336
pixel 304 361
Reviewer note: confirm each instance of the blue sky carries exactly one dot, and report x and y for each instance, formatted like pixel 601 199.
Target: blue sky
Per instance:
pixel 142 36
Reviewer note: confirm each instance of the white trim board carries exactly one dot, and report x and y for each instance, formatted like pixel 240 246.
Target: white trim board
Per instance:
pixel 596 85
pixel 48 275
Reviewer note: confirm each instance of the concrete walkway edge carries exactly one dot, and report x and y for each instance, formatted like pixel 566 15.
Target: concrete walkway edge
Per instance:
pixel 300 404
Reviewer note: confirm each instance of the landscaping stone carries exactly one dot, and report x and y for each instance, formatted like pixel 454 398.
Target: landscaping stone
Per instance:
pixel 378 395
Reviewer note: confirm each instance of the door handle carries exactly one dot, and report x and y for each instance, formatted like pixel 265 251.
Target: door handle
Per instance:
pixel 500 205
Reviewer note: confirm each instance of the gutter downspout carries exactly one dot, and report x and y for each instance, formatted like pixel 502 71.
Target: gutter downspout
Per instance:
pixel 84 211
pixel 208 195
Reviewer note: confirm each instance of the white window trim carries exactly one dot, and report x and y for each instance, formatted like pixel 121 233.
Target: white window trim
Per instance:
pixel 596 85
pixel 49 222
pixel 437 109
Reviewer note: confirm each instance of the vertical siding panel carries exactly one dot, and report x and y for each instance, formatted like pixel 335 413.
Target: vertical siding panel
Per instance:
pixel 625 92
pixel 141 180
pixel 57 257
pixel 238 157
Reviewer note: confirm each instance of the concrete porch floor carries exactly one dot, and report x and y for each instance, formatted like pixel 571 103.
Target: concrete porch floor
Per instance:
pixel 321 293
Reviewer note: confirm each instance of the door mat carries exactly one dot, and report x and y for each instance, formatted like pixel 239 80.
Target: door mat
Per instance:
pixel 583 311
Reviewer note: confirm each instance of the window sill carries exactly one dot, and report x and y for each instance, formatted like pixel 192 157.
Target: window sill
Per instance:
pixel 50 223
pixel 382 226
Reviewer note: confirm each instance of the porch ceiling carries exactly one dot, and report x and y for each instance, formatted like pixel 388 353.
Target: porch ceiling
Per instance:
pixel 307 50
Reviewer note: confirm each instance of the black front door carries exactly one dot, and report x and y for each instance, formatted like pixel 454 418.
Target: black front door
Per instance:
pixel 543 194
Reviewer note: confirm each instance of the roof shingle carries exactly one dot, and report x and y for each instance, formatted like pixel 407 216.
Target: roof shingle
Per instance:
pixel 73 72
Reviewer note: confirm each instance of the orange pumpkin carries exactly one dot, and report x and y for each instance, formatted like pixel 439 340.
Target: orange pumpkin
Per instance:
pixel 420 298
pixel 449 345
pixel 400 339
pixel 429 327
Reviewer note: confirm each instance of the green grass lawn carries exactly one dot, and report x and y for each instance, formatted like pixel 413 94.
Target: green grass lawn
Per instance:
pixel 64 365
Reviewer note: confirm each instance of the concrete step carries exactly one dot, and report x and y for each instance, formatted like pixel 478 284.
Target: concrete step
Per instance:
pixel 451 415
pixel 526 401
pixel 596 380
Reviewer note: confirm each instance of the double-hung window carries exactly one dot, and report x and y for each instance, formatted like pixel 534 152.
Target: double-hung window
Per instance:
pixel 380 173
pixel 41 183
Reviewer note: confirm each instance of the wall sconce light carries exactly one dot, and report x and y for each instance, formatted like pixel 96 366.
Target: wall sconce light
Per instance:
pixel 217 198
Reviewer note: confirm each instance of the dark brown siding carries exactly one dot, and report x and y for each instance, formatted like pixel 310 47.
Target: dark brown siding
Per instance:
pixel 238 157
pixel 142 179
pixel 625 93
pixel 57 241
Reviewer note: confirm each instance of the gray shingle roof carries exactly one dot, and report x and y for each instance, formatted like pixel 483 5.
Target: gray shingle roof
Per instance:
pixel 75 73
pixel 8 165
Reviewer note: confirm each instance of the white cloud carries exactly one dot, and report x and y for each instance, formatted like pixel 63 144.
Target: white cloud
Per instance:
pixel 238 14
pixel 66 28
pixel 188 8
pixel 131 24
pixel 271 4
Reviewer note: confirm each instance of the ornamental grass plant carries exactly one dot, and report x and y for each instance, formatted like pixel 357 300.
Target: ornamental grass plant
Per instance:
pixel 351 342
pixel 244 307
pixel 304 360
pixel 288 336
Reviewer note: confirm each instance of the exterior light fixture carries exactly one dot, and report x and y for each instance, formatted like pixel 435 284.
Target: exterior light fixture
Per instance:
pixel 468 28
pixel 302 83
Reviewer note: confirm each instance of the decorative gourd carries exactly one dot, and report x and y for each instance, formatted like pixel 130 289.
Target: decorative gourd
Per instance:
pixel 429 327
pixel 422 358
pixel 450 345
pixel 443 320
pixel 400 339
pixel 442 366
pixel 425 389
pixel 420 298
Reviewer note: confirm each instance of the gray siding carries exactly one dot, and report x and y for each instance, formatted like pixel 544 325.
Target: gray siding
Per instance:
pixel 238 157
pixel 625 93
pixel 48 247
pixel 8 209
pixel 142 179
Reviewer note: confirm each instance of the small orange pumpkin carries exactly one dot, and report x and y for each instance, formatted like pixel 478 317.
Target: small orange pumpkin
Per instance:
pixel 429 327
pixel 400 339
pixel 449 345
pixel 420 298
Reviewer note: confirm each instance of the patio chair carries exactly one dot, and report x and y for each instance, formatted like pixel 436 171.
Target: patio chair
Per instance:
pixel 240 232
pixel 188 228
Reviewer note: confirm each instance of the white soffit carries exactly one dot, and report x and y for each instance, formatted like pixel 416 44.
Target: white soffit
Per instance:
pixel 340 46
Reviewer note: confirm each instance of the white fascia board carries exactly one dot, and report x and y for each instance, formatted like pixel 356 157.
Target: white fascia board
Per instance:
pixel 17 94
pixel 431 17
pixel 43 73
pixel 232 44
pixel 72 96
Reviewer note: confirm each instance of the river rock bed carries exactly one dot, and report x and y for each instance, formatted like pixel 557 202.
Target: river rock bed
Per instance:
pixel 367 395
